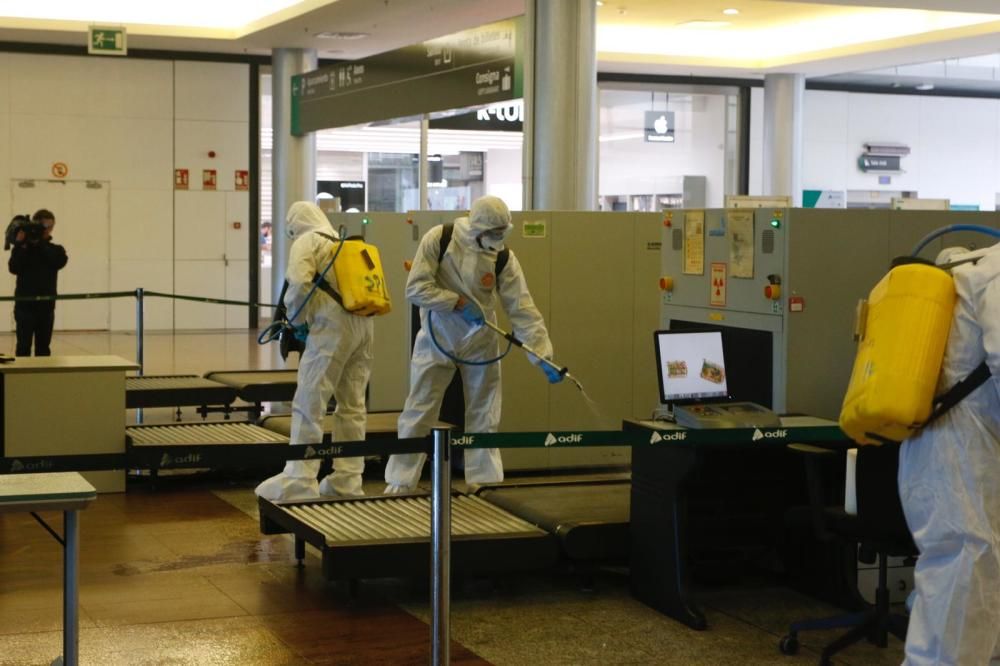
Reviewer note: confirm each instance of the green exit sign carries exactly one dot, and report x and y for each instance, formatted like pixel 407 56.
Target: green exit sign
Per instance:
pixel 107 41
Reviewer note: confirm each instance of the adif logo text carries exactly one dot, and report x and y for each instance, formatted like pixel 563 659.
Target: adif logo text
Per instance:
pixel 551 439
pixel 759 434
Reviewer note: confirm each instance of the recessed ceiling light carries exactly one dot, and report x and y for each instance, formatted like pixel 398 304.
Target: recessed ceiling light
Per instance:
pixel 599 3
pixel 925 86
pixel 732 11
pixel 342 35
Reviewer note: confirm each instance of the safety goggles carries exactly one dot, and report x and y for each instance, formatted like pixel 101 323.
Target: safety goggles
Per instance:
pixel 497 235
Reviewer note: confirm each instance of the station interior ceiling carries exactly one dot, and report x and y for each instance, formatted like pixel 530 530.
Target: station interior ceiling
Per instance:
pixel 942 44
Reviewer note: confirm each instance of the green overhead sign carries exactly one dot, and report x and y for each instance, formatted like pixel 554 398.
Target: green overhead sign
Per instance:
pixel 107 41
pixel 477 66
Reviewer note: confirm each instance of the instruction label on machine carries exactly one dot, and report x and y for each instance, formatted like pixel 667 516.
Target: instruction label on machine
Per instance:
pixel 694 242
pixel 718 283
pixel 536 229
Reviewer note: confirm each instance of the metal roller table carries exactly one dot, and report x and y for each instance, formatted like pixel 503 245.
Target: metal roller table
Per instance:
pixel 258 386
pixel 589 515
pixel 389 536
pixel 175 391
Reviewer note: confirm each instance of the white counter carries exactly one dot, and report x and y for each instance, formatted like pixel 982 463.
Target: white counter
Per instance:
pixel 63 406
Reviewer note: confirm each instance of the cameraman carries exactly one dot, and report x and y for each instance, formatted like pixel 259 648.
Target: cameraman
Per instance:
pixel 35 260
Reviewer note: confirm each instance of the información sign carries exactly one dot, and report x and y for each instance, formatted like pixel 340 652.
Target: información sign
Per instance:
pixel 477 66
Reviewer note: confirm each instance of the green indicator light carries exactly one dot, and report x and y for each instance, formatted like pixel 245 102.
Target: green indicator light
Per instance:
pixel 365 220
pixel 776 223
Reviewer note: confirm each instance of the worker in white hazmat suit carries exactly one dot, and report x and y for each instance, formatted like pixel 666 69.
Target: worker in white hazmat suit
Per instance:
pixel 461 289
pixel 336 361
pixel 949 484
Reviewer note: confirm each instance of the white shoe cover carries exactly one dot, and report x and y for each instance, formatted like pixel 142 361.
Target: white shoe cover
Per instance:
pixel 282 488
pixel 343 486
pixel 393 489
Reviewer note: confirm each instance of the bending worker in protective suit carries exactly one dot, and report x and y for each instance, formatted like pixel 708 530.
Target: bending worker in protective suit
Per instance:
pixel 450 289
pixel 949 484
pixel 336 361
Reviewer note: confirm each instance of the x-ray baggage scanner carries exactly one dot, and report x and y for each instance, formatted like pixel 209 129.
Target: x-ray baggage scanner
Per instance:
pixel 782 286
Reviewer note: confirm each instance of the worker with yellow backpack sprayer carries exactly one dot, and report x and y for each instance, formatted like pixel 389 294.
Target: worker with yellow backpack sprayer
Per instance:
pixel 948 328
pixel 337 329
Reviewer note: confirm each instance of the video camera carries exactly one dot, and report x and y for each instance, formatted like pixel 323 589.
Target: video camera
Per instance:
pixel 33 230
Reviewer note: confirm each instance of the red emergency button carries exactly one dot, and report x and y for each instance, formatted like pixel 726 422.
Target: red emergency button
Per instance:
pixel 772 292
pixel 666 284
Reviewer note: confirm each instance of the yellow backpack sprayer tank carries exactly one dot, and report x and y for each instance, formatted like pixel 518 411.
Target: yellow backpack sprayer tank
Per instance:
pixel 363 292
pixel 902 332
pixel 361 280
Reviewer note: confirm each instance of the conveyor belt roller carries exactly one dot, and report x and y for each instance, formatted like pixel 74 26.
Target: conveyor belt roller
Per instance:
pixel 202 434
pixel 390 536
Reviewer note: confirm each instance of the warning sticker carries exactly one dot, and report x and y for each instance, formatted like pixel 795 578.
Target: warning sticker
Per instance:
pixel 718 283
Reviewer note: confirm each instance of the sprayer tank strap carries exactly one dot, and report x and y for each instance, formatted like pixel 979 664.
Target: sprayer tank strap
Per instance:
pixel 447 229
pixel 320 282
pixel 959 391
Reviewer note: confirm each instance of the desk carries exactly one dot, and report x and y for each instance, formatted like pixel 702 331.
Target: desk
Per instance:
pixel 662 475
pixel 67 492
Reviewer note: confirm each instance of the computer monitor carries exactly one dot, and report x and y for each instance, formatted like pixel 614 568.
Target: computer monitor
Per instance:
pixel 690 366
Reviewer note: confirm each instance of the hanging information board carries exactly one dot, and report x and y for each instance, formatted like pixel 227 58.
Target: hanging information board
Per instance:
pixel 476 66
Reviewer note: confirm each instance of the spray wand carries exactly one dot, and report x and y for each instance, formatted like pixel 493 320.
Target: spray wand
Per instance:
pixel 513 339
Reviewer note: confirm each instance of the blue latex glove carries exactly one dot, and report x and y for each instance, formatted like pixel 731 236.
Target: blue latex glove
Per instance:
pixel 553 375
pixel 472 315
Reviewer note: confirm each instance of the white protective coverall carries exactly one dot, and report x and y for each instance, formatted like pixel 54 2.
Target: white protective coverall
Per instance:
pixel 336 361
pixel 467 268
pixel 949 484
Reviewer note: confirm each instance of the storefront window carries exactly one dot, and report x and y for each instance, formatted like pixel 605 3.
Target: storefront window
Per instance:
pixel 666 147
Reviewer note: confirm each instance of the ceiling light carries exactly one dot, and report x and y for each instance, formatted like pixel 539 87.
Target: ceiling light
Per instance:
pixel 732 11
pixel 599 3
pixel 925 86
pixel 342 35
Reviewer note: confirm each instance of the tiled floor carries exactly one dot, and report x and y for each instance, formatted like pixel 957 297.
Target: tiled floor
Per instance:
pixel 181 575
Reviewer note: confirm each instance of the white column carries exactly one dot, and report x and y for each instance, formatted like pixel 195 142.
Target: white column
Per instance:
pixel 783 104
pixel 293 173
pixel 561 105
pixel 425 124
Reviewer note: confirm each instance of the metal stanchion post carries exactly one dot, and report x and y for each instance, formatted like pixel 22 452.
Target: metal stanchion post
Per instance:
pixel 441 549
pixel 138 340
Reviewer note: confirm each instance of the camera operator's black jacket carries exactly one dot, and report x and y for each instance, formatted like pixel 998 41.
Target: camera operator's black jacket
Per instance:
pixel 36 266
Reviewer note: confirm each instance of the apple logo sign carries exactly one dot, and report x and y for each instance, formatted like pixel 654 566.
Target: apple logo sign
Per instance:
pixel 660 125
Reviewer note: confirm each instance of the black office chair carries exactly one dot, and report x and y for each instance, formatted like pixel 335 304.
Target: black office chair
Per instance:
pixel 880 530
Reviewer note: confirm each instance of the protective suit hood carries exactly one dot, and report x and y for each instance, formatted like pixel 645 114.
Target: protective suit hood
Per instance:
pixel 305 216
pixel 488 223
